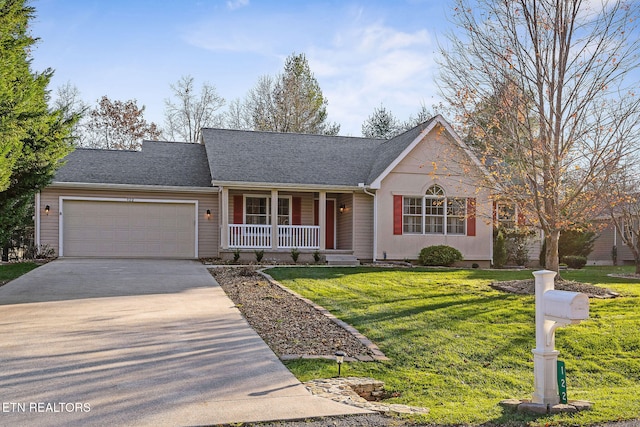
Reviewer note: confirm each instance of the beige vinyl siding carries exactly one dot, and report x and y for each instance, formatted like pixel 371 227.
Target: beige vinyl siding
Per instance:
pixel 208 230
pixel 344 221
pixel 363 226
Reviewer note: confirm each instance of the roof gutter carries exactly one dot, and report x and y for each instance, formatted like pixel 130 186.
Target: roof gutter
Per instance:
pixel 289 186
pixel 132 187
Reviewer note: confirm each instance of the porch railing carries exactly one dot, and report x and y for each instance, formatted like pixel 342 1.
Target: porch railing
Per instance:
pixel 259 236
pixel 299 236
pixel 249 236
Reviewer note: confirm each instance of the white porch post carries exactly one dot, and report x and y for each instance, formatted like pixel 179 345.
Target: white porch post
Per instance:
pixel 274 219
pixel 322 219
pixel 224 218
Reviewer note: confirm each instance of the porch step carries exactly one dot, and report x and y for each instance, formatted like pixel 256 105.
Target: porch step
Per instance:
pixel 342 260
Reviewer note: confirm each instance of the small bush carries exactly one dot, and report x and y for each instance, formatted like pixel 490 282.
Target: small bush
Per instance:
pixel 475 265
pixel 316 256
pixel 442 255
pixel 295 253
pixel 259 255
pixel 575 261
pixel 236 255
pixel 499 250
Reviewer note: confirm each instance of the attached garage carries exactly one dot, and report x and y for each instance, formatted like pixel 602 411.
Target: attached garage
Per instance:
pixel 130 228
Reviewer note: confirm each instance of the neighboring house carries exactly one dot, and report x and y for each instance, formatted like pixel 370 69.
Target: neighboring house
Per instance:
pixel 244 191
pixel 603 248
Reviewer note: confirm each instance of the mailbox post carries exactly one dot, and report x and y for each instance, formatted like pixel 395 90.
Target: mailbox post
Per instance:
pixel 553 309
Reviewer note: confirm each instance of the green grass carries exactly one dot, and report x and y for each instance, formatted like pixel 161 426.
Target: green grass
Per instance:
pixel 11 271
pixel 458 347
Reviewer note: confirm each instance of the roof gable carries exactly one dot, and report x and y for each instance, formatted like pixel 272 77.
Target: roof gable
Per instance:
pixel 403 144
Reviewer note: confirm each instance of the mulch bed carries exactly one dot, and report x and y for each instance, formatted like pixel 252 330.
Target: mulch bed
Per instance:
pixel 527 287
pixel 286 323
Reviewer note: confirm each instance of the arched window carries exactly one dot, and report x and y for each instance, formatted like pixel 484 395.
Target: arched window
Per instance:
pixel 434 213
pixel 434 210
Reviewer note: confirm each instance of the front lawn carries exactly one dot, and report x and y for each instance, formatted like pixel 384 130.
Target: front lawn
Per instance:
pixel 458 347
pixel 9 272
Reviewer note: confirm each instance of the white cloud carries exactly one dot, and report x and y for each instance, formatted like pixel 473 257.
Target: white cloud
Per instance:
pixel 369 65
pixel 237 4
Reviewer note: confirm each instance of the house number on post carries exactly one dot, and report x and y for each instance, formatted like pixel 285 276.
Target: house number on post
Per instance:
pixel 562 382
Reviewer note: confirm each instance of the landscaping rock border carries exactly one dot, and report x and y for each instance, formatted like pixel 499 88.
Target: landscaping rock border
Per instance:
pixel 360 392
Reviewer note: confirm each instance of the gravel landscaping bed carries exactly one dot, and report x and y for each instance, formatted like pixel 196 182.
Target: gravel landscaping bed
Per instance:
pixel 290 326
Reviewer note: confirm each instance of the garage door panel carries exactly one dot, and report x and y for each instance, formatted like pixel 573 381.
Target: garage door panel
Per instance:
pixel 123 229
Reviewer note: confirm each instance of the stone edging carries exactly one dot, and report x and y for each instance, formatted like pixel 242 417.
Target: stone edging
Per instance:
pixel 349 391
pixel 378 355
pixel 541 408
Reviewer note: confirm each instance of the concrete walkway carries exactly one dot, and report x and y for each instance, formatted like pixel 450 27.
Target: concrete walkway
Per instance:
pixel 137 342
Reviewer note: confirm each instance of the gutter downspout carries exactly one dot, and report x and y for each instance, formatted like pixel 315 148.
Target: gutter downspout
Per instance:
pixel 36 220
pixel 375 219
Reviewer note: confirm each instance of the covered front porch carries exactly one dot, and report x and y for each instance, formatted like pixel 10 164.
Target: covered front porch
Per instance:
pixel 280 220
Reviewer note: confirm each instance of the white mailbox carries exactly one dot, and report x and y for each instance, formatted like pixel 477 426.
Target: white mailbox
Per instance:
pixel 565 307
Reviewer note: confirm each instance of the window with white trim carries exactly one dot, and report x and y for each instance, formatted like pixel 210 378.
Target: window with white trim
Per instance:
pixel 430 213
pixel 258 210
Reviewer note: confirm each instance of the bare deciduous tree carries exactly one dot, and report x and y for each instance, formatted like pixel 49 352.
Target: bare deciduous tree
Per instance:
pixel 191 112
pixel 563 115
pixel 118 125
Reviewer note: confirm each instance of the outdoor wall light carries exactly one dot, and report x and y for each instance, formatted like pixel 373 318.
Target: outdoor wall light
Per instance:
pixel 340 359
pixel 46 209
pixel 208 213
pixel 342 208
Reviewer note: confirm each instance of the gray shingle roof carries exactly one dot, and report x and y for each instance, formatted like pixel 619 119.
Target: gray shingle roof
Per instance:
pixel 241 156
pixel 159 163
pixel 288 158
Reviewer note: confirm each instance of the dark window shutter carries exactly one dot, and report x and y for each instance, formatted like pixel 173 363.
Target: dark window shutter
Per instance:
pixel 397 215
pixel 238 209
pixel 521 218
pixel 471 216
pixel 296 211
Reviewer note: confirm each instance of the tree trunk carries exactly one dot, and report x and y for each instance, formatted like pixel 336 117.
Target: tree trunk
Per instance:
pixel 551 256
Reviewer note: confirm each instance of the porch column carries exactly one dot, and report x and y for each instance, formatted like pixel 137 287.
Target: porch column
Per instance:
pixel 224 218
pixel 274 219
pixel 322 219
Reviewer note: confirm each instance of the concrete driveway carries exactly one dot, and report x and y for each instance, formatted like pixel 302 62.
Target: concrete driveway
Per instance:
pixel 137 342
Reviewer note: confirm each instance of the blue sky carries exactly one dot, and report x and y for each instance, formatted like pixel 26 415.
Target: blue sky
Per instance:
pixel 364 53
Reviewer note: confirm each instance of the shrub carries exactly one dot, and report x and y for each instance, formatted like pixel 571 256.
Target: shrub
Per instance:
pixel 236 255
pixel 575 261
pixel 259 255
pixel 499 250
pixel 439 255
pixel 574 242
pixel 316 256
pixel 295 253
pixel 475 265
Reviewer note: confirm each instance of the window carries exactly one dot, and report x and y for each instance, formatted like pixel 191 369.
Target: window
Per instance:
pixel 284 211
pixel 258 210
pixel 506 214
pixel 429 214
pixel 456 213
pixel 412 215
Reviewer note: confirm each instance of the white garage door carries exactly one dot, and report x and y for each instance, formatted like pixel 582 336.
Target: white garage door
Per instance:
pixel 128 229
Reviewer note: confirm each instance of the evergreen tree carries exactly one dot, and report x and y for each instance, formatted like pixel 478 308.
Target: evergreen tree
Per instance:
pixel 292 102
pixel 381 124
pixel 33 139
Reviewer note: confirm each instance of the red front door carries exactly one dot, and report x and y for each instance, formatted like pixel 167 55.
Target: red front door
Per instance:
pixel 330 230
